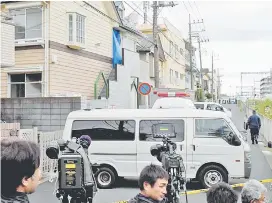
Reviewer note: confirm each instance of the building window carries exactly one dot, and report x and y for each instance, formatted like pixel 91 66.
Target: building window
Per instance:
pixel 70 27
pixel 28 23
pixel 77 31
pixel 149 128
pixel 171 75
pixel 171 48
pixel 105 130
pixel 176 73
pixel 176 51
pixel 181 76
pixel 26 85
pixel 181 51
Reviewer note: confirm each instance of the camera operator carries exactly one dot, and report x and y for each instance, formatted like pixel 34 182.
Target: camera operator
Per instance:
pixel 152 182
pixel 20 172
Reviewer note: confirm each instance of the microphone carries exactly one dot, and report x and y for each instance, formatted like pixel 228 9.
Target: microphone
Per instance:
pixel 85 141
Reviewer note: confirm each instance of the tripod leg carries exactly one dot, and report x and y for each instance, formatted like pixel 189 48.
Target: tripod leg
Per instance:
pixel 65 199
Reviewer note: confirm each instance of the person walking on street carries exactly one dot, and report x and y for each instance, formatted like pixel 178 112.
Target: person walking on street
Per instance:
pixel 254 124
pixel 153 183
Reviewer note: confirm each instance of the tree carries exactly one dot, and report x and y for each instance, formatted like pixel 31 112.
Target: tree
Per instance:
pixel 208 95
pixel 199 95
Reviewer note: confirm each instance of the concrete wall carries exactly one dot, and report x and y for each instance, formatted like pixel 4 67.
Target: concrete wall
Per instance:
pixel 48 113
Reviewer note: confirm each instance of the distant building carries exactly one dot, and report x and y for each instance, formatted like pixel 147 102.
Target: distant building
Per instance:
pixel 265 87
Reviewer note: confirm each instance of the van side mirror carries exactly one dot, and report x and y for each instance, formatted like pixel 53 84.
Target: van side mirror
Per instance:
pixel 236 141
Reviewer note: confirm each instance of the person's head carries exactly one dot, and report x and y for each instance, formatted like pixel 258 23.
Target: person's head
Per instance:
pixel 153 182
pixel 221 193
pixel 253 192
pixel 254 112
pixel 20 161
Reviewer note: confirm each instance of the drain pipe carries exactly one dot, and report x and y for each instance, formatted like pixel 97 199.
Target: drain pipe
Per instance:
pixel 46 50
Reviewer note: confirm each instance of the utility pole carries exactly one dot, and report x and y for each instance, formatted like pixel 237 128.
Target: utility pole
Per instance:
pixel 145 3
pixel 191 50
pixel 218 84
pixel 155 38
pixel 156 51
pixel 196 34
pixel 200 58
pixel 212 77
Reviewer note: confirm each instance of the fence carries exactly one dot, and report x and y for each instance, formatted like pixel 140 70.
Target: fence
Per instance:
pixel 265 130
pixel 9 129
pixel 44 139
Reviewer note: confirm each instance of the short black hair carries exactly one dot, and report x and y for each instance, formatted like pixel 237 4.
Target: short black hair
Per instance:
pixel 19 159
pixel 221 193
pixel 151 174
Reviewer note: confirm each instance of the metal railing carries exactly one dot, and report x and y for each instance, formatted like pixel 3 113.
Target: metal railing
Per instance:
pixel 96 83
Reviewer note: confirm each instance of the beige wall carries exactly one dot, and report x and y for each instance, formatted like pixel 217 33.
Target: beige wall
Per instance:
pixel 75 74
pixel 4 81
pixel 29 58
pixel 75 71
pixel 98 27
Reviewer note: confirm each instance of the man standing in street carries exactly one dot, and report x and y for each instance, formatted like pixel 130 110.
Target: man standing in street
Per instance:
pixel 153 183
pixel 254 124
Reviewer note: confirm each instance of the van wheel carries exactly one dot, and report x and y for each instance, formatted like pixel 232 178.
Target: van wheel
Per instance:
pixel 105 178
pixel 211 175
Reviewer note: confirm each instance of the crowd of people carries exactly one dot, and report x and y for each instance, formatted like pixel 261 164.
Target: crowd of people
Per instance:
pixel 153 186
pixel 20 175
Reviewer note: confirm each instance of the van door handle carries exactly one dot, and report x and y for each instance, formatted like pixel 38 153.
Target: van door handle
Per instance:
pixel 193 147
pixel 180 146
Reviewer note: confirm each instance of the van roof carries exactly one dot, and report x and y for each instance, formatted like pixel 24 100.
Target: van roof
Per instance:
pixel 143 113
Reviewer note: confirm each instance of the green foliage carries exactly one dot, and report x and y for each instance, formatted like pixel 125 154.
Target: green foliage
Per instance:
pixel 208 95
pixel 199 95
pixel 263 107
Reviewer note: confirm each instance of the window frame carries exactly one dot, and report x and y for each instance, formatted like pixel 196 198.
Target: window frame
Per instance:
pixel 135 127
pixel 182 120
pixel 25 23
pixel 211 136
pixel 176 51
pixel 75 16
pixel 24 83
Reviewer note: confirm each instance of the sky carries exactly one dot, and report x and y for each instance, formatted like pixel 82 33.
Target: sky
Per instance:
pixel 239 33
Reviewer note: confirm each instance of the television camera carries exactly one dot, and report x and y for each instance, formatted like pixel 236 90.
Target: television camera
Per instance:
pixel 75 175
pixel 171 161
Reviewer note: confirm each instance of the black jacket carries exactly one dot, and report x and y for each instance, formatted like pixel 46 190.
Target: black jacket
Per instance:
pixel 16 198
pixel 142 199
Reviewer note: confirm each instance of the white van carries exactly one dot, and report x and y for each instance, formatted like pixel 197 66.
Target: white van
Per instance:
pixel 172 103
pixel 213 107
pixel 211 146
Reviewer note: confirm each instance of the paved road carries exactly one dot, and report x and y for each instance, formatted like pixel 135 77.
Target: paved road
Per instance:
pixel 128 188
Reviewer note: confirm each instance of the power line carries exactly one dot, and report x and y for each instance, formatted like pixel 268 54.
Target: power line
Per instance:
pixel 159 30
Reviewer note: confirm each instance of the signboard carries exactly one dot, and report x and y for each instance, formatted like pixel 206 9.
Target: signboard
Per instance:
pixel 144 88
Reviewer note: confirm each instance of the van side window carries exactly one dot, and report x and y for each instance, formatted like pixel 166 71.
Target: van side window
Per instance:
pixel 214 107
pixel 148 128
pixel 199 106
pixel 214 127
pixel 105 130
